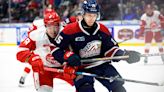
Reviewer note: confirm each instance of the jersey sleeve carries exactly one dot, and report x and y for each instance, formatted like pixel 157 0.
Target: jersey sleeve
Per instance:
pixel 62 41
pixel 110 47
pixel 25 49
pixel 32 27
pixel 142 24
pixel 161 17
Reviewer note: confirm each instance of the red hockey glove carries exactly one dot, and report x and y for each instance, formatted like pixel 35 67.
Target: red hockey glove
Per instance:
pixel 69 72
pixel 50 58
pixel 36 63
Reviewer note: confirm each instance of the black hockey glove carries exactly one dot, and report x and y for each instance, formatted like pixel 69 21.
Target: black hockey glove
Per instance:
pixel 72 59
pixel 133 56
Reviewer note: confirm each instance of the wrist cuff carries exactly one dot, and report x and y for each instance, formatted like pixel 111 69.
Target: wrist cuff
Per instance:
pixel 68 54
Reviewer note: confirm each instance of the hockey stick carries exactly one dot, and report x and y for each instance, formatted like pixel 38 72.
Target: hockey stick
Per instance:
pixel 118 57
pixel 111 79
pixel 123 41
pixel 120 79
pixel 150 55
pixel 105 58
pixel 94 64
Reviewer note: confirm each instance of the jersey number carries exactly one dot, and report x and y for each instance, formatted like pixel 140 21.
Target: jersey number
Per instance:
pixel 58 39
pixel 26 41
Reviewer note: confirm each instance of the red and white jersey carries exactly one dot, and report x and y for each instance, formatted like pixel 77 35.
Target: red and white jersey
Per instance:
pixel 36 24
pixel 151 23
pixel 38 43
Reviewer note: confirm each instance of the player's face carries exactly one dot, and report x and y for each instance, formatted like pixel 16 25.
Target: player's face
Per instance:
pixel 149 11
pixel 52 30
pixel 90 18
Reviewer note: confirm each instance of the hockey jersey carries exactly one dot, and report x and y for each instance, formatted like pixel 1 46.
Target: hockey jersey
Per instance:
pixel 36 24
pixel 100 43
pixel 38 43
pixel 151 23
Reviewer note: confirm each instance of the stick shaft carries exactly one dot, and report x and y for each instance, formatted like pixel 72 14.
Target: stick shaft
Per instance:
pixel 120 79
pixel 141 82
pixel 107 78
pixel 118 57
pixel 53 69
pixel 150 55
pixel 106 58
pixel 124 41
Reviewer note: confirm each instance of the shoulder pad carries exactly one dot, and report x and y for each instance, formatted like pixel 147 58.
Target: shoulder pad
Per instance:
pixel 104 29
pixel 34 35
pixel 71 28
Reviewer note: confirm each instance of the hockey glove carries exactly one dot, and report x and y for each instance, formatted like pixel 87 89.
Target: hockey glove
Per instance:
pixel 69 72
pixel 36 63
pixel 49 58
pixel 133 56
pixel 72 59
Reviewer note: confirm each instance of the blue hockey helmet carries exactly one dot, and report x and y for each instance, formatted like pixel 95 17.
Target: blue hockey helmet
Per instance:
pixel 90 6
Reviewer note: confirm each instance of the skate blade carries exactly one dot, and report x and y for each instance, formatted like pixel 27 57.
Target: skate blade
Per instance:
pixel 21 85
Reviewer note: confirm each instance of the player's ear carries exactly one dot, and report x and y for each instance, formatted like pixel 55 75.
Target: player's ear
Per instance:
pixel 98 16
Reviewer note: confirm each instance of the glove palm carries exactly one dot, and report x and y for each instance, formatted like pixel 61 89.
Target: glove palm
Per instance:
pixel 133 56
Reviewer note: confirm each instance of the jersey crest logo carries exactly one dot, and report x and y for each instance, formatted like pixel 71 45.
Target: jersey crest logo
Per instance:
pixel 82 38
pixel 92 48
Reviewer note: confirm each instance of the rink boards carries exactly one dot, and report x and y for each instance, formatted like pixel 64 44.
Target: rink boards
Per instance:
pixel 13 34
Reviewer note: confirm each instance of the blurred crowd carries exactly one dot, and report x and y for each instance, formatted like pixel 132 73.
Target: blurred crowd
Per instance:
pixel 19 11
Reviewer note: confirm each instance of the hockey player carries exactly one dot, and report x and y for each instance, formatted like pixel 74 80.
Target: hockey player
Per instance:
pixel 37 23
pixel 35 50
pixel 151 22
pixel 89 39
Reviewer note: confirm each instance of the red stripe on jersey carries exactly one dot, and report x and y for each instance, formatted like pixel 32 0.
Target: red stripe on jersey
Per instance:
pixel 111 52
pixel 71 28
pixel 104 29
pixel 32 28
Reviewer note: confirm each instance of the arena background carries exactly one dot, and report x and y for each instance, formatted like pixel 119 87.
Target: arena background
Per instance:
pixel 120 16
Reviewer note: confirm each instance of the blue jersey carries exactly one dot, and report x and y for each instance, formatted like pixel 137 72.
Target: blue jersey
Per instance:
pixel 91 42
pixel 99 43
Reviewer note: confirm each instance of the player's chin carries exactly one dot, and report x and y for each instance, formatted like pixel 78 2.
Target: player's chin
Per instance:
pixel 90 23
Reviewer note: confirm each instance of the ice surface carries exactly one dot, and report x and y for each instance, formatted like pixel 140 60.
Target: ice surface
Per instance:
pixel 11 70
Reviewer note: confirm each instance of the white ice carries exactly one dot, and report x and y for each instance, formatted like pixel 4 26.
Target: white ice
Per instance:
pixel 11 70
